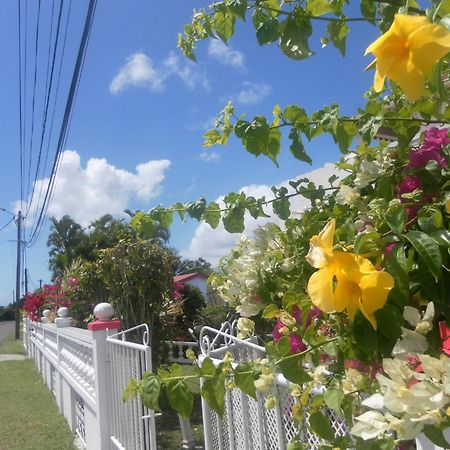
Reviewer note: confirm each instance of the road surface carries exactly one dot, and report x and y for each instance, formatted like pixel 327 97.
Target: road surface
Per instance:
pixel 6 328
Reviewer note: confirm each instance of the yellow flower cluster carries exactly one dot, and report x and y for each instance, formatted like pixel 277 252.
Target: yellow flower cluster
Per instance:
pixel 408 51
pixel 345 281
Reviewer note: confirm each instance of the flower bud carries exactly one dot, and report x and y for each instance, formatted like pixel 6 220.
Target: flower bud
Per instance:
pixel 270 402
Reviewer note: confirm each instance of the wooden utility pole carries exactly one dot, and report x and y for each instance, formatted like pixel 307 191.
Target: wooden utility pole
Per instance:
pixel 19 259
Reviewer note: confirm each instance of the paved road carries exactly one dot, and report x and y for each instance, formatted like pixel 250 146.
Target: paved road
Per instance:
pixel 6 328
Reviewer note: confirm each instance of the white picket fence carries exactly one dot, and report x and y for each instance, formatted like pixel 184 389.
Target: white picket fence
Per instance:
pixel 247 424
pixel 87 372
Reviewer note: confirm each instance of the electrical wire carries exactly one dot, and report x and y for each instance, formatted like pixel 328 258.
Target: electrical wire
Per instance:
pixel 47 102
pixel 66 119
pixel 4 226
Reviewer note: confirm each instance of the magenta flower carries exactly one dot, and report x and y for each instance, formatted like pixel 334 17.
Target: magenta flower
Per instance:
pixel 389 247
pixel 408 184
pixel 297 345
pixel 430 150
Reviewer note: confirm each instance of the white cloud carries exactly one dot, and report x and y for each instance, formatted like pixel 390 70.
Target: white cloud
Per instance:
pixel 251 93
pixel 140 71
pixel 209 156
pixel 190 73
pixel 100 188
pixel 225 54
pixel 213 244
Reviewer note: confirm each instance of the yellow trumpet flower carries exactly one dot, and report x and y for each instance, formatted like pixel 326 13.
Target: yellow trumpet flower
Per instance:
pixel 345 281
pixel 407 52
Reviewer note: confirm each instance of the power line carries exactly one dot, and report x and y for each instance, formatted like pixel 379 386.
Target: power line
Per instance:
pixel 47 102
pixel 4 226
pixel 66 119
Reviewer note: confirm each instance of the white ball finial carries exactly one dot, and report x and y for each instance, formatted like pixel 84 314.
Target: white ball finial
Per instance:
pixel 103 312
pixel 46 313
pixel 63 312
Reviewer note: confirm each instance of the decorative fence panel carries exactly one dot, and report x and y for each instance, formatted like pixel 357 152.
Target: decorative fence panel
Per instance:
pixel 87 371
pixel 247 424
pixel 132 425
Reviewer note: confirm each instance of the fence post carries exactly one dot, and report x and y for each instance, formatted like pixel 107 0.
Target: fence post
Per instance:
pixel 64 397
pixel 101 328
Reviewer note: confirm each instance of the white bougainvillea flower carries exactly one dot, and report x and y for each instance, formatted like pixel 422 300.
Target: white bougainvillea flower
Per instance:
pixel 421 324
pixel 370 425
pixel 245 327
pixel 411 342
pixel 347 195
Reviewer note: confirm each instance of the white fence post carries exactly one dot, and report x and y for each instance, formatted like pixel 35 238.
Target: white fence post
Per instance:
pixel 101 328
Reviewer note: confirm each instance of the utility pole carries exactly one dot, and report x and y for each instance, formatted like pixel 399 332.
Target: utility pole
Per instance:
pixel 19 258
pixel 26 281
pixel 40 284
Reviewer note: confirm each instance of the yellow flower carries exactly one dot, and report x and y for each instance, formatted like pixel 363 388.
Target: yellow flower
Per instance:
pixel 345 281
pixel 407 51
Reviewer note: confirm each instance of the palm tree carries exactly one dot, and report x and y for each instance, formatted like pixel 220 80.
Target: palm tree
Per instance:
pixel 64 240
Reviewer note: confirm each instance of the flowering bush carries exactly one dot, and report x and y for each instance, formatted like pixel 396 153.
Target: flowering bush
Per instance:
pixel 50 296
pixel 356 286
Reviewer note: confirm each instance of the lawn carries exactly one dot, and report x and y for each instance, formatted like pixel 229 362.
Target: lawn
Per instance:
pixel 12 346
pixel 29 417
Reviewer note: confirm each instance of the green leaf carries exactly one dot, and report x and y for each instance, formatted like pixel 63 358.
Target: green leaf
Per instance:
pixel 294 114
pixel 131 390
pixel 284 346
pixel 436 436
pixel 333 398
pixel 369 10
pixel 366 242
pixel 396 265
pixel 396 219
pixel 389 319
pixel 318 7
pixel 243 377
pixel 150 389
pixel 233 219
pixel 212 215
pixel 180 209
pixel 213 391
pixel 442 238
pixel 295 32
pixel 268 31
pixel 344 134
pixel 196 209
pixel 292 370
pixel 297 148
pixel 256 135
pixel 208 367
pixel 321 426
pixel 271 311
pixel 338 34
pixel 223 24
pixel 238 7
pixel 428 251
pixel 180 398
pixel 282 208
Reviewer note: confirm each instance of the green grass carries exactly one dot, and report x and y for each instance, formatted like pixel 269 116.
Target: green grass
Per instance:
pixel 29 417
pixel 12 346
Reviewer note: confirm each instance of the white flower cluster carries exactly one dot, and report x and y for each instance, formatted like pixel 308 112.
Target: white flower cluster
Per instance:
pixel 408 400
pixel 240 283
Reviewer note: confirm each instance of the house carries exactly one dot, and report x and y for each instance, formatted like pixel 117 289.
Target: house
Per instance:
pixel 194 279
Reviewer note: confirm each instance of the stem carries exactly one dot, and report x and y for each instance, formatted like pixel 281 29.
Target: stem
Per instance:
pixel 305 352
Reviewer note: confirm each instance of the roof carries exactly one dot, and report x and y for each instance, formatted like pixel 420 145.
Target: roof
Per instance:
pixel 188 277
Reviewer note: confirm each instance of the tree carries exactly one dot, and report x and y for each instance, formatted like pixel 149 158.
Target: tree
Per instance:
pixel 64 241
pixel 199 265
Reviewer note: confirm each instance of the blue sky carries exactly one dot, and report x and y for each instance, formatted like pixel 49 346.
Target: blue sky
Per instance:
pixel 140 102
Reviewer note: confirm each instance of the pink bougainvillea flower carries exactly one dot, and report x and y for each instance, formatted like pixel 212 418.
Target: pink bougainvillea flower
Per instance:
pixel 408 184
pixel 389 247
pixel 408 51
